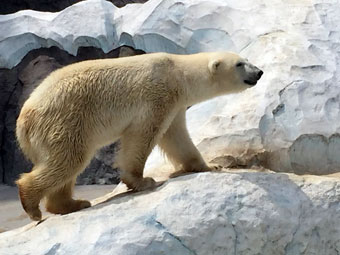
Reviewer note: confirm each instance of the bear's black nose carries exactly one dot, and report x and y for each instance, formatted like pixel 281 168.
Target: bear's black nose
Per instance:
pixel 259 74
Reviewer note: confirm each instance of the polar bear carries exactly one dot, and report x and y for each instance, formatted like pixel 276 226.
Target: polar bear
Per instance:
pixel 140 100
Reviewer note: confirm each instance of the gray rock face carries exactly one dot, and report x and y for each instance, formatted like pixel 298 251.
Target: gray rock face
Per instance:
pixel 10 91
pixel 240 213
pixel 101 169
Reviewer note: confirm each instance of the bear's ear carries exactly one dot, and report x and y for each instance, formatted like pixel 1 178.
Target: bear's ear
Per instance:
pixel 214 65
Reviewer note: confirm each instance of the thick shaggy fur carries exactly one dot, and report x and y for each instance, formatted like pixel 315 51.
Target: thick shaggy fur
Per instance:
pixel 140 100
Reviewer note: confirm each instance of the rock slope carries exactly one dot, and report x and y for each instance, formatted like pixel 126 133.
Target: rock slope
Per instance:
pixel 239 213
pixel 288 122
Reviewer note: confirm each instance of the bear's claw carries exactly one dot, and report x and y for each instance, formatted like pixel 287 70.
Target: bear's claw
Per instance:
pixel 65 207
pixel 35 214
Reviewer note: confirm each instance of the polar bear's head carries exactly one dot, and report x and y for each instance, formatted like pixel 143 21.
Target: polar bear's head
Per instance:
pixel 233 73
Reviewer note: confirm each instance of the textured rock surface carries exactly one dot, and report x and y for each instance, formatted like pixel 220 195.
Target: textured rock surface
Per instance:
pixel 101 169
pixel 208 213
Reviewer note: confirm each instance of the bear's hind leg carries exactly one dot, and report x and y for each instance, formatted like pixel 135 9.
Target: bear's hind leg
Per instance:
pixel 35 185
pixel 59 200
pixel 30 193
pixel 41 181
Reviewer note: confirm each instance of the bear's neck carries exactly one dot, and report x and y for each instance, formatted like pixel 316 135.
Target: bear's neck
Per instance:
pixel 198 85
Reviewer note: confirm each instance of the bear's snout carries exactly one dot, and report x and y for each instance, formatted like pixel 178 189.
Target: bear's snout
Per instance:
pixel 252 74
pixel 254 77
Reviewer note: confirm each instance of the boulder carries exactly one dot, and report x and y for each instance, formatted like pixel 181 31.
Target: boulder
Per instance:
pixel 207 213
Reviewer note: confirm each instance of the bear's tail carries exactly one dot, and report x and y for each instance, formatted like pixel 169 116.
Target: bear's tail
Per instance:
pixel 24 127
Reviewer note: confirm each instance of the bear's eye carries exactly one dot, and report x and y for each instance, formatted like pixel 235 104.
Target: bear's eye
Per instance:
pixel 239 64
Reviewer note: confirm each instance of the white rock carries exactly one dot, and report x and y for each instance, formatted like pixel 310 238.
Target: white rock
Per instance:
pixel 296 43
pixel 208 213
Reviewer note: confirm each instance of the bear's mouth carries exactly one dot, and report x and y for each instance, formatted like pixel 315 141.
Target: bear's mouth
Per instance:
pixel 252 83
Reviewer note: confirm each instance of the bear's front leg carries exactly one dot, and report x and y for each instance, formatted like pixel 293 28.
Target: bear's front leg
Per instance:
pixel 136 145
pixel 181 151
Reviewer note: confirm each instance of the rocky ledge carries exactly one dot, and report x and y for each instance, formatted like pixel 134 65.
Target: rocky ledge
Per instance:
pixel 208 213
